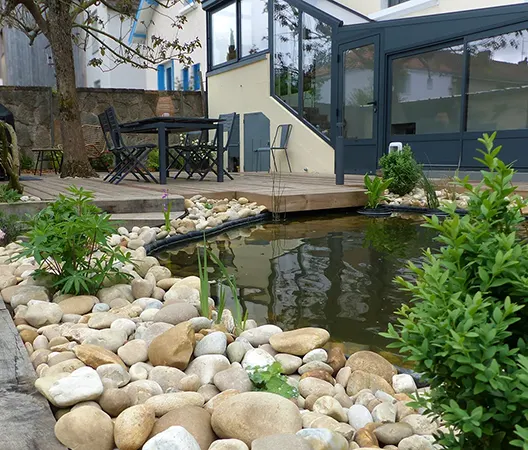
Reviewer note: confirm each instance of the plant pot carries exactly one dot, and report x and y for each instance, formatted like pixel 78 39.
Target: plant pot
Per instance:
pixel 374 212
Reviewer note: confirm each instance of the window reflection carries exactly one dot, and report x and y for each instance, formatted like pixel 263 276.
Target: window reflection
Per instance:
pixel 426 92
pixel 498 83
pixel 254 26
pixel 317 63
pixel 224 32
pixel 286 52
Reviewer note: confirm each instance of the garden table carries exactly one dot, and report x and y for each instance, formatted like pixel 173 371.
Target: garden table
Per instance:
pixel 162 126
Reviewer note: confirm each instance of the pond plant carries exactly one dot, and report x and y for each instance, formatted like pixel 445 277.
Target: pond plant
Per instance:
pixel 270 379
pixel 403 169
pixel 376 187
pixel 466 328
pixel 68 240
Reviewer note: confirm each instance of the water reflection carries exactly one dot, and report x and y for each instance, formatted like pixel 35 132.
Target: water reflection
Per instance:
pixel 334 272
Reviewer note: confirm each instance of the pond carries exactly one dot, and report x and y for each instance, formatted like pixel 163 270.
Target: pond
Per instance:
pixel 334 272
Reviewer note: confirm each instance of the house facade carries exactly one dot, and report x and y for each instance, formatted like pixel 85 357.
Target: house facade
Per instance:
pixel 354 77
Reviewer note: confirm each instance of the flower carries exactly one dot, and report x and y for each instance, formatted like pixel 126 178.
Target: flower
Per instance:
pixel 2 235
pixel 165 194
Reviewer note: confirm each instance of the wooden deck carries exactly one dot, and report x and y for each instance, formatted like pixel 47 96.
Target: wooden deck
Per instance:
pixel 292 193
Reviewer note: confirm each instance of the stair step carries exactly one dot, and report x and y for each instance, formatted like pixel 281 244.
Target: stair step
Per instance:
pixel 150 219
pixel 140 205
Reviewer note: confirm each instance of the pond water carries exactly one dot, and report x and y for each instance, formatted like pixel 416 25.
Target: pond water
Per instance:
pixel 334 272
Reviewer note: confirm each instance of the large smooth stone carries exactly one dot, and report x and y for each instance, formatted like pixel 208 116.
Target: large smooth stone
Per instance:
pixel 81 385
pixel 115 401
pixel 384 413
pixel 164 403
pixel 109 339
pixel 182 294
pixel 260 335
pixel 141 390
pixel 167 377
pixel 257 358
pixel 133 426
pixel 133 351
pixel 289 363
pixel 360 380
pixel 141 288
pixel 125 325
pixel 160 273
pixel 282 442
pixel 229 444
pixel 359 416
pixel 315 386
pixel 86 428
pixel 393 433
pixel 194 419
pixel 23 294
pixel 299 342
pixel 233 378
pixel 415 442
pixel 330 407
pixel 151 332
pixel 174 347
pixel 173 438
pixel 80 304
pixel 106 295
pixel 323 439
pixel 422 425
pixel 372 363
pixel 237 350
pixel 41 313
pixel 207 366
pixel 212 344
pixel 67 366
pixel 95 356
pixel 114 375
pixel 176 313
pixel 403 384
pixel 252 415
pixel 102 320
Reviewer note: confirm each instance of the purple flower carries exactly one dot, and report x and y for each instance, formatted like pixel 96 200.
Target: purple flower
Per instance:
pixel 165 194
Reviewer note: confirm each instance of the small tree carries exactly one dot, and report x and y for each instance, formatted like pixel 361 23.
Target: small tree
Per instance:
pixel 66 23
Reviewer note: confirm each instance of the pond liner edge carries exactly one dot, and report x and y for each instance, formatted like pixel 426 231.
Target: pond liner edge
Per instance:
pixel 419 210
pixel 181 239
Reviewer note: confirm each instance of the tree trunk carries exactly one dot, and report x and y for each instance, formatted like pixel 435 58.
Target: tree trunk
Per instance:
pixel 75 162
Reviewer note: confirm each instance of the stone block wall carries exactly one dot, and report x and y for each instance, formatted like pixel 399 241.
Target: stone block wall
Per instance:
pixel 35 109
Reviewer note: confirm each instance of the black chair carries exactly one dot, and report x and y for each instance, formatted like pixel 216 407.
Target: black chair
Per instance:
pixel 208 160
pixel 188 153
pixel 132 157
pixel 283 133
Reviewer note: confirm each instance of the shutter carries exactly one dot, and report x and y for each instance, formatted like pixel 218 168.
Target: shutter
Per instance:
pixel 196 75
pixel 161 78
pixel 185 79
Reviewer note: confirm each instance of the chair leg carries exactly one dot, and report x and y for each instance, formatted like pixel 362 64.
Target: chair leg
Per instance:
pixel 274 161
pixel 288 159
pixel 41 162
pixel 36 164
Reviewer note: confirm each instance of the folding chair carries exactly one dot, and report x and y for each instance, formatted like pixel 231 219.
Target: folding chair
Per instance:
pixel 210 151
pixel 283 132
pixel 187 153
pixel 135 156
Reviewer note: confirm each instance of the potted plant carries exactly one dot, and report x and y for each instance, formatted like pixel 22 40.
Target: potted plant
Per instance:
pixel 375 195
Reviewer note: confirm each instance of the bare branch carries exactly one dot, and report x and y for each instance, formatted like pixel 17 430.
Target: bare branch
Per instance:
pixel 36 13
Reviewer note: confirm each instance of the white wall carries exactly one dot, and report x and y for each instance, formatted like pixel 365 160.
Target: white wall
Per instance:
pixel 110 76
pixel 192 29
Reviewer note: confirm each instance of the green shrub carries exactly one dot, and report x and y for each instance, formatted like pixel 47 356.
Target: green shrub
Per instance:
pixel 8 195
pixel 375 190
pixel 466 327
pixel 26 162
pixel 103 162
pixel 403 169
pixel 10 228
pixel 270 379
pixel 430 191
pixel 69 238
pixel 153 160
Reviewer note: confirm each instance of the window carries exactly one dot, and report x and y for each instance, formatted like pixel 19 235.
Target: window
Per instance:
pixel 166 76
pixel 226 37
pixel 498 82
pixel 426 92
pixel 396 2
pixel 286 52
pixel 316 64
pixel 254 25
pixel 224 32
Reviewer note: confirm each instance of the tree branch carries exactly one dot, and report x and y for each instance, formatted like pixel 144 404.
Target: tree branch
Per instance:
pixel 36 13
pixel 82 7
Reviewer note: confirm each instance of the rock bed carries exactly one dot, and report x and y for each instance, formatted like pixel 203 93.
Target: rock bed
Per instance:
pixel 417 198
pixel 203 214
pixel 137 367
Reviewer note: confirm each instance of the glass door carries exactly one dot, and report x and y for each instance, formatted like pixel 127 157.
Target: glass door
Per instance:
pixel 359 104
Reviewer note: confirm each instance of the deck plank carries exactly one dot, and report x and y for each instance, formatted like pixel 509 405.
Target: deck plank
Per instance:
pixel 26 421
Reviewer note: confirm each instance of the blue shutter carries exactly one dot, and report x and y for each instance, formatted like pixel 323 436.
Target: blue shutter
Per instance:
pixel 172 75
pixel 196 75
pixel 185 79
pixel 161 78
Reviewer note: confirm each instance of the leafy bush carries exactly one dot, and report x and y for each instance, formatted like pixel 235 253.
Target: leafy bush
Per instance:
pixel 10 228
pixel 26 162
pixel 403 169
pixel 270 379
pixel 69 239
pixel 8 195
pixel 375 190
pixel 102 162
pixel 466 327
pixel 153 160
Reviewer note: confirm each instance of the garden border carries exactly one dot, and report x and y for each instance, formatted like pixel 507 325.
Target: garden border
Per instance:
pixel 181 239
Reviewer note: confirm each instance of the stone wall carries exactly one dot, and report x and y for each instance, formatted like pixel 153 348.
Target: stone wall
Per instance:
pixel 34 114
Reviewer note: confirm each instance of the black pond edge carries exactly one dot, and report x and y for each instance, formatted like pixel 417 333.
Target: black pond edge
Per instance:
pixel 182 239
pixel 420 210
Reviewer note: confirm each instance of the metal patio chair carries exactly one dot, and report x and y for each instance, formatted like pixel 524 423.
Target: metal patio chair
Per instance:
pixel 283 133
pixel 133 157
pixel 94 143
pixel 208 161
pixel 188 153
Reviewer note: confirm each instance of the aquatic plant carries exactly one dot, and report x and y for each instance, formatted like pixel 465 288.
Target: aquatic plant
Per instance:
pixel 204 281
pixel 270 379
pixel 466 326
pixel 403 169
pixel 375 190
pixel 166 209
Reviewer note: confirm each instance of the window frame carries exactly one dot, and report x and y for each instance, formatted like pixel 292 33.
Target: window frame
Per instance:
pixel 238 37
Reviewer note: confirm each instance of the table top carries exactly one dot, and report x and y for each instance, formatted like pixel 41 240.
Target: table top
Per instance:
pixel 171 122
